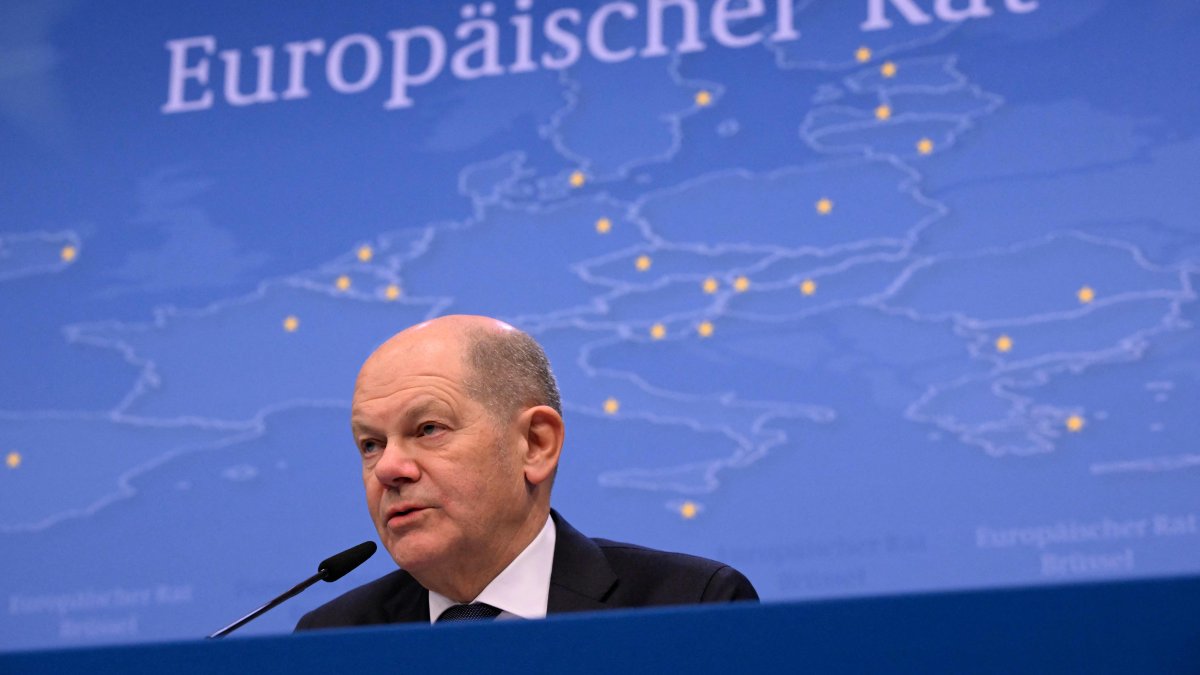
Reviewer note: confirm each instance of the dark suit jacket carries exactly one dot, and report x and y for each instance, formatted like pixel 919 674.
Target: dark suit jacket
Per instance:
pixel 588 574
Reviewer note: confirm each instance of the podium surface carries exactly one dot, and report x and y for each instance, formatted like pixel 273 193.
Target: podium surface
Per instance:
pixel 1144 626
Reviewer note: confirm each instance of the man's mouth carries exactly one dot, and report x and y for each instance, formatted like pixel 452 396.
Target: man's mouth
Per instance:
pixel 402 516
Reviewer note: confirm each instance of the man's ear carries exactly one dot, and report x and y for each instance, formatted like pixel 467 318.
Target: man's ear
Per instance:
pixel 544 433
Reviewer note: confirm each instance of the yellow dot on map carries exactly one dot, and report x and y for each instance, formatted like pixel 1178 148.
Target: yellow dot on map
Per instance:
pixel 642 263
pixel 703 97
pixel 577 179
pixel 883 112
pixel 862 54
pixel 808 287
pixel 658 331
pixel 604 226
pixel 710 285
pixel 1075 423
pixel 925 146
pixel 290 324
pixel 1086 294
pixel 705 329
pixel 688 510
pixel 68 253
pixel 13 460
pixel 365 253
pixel 741 284
pixel 1003 343
pixel 888 69
pixel 824 206
pixel 611 406
pixel 392 292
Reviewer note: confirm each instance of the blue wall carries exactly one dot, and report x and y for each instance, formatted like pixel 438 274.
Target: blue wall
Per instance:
pixel 863 297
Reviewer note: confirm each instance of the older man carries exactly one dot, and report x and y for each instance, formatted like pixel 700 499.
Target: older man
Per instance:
pixel 460 428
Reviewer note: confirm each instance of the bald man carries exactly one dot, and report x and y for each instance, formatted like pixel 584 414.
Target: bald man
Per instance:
pixel 459 426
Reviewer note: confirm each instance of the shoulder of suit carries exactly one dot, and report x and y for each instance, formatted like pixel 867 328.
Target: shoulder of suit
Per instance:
pixel 621 552
pixel 651 577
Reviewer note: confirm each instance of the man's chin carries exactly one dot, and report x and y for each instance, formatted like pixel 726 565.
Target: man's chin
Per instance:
pixel 412 555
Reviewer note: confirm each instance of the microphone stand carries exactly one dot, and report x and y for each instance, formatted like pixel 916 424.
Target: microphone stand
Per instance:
pixel 295 590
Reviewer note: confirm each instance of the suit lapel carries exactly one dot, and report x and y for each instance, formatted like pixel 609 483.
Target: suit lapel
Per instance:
pixel 581 578
pixel 410 601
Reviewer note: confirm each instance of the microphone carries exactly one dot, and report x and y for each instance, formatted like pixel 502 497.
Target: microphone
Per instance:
pixel 331 569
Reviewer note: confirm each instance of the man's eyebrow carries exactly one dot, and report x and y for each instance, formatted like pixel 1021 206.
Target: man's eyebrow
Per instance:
pixel 425 407
pixel 358 425
pixel 410 414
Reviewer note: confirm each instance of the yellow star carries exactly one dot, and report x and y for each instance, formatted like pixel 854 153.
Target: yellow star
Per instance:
pixel 703 98
pixel 13 460
pixel 604 226
pixel 343 283
pixel 824 206
pixel 68 253
pixel 391 292
pixel 291 323
pixel 1004 343
pixel 710 285
pixel 611 406
pixel 862 54
pixel 365 253
pixel 808 287
pixel 688 510
pixel 883 112
pixel 1086 294
pixel 642 263
pixel 741 284
pixel 577 179
pixel 1075 423
pixel 705 329
pixel 658 331
pixel 925 146
pixel 888 69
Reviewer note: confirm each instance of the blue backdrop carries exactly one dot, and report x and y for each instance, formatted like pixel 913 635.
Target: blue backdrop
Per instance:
pixel 865 297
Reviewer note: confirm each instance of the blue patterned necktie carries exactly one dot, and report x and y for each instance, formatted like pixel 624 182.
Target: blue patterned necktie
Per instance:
pixel 477 611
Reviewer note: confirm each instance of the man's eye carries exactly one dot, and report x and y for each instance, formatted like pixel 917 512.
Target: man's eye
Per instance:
pixel 369 447
pixel 428 429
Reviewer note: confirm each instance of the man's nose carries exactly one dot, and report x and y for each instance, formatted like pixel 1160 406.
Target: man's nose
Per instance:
pixel 396 466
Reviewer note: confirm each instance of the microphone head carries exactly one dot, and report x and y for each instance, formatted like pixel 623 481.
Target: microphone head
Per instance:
pixel 337 566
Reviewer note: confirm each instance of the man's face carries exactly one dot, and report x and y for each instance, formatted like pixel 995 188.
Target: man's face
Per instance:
pixel 444 480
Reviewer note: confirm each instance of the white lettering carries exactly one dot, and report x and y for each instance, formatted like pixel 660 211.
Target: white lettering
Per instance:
pixel 401 77
pixel 296 53
pixel 561 37
pixel 975 9
pixel 877 19
pixel 523 63
pixel 595 32
pixel 654 28
pixel 487 46
pixel 722 15
pixel 785 22
pixel 180 73
pixel 233 73
pixel 337 75
pixel 1020 6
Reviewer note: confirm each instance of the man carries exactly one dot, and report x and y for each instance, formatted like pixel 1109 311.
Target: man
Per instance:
pixel 460 428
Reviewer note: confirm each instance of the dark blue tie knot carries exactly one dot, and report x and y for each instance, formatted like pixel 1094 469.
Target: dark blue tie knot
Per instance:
pixel 476 611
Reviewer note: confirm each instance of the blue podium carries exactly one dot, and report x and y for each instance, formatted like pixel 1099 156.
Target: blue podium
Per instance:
pixel 1130 627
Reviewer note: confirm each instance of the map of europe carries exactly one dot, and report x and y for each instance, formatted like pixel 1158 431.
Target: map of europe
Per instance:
pixel 860 313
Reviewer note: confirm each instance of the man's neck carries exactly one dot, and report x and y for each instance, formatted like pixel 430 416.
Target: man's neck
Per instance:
pixel 465 580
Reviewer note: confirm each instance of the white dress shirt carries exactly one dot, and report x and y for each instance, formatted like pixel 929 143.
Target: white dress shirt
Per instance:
pixel 522 590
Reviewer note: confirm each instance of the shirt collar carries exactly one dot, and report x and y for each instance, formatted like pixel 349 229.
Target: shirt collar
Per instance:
pixel 521 590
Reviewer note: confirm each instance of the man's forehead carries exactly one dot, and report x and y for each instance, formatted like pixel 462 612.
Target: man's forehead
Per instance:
pixel 367 412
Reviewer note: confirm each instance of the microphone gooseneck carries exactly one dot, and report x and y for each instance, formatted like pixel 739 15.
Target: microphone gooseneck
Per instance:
pixel 331 569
